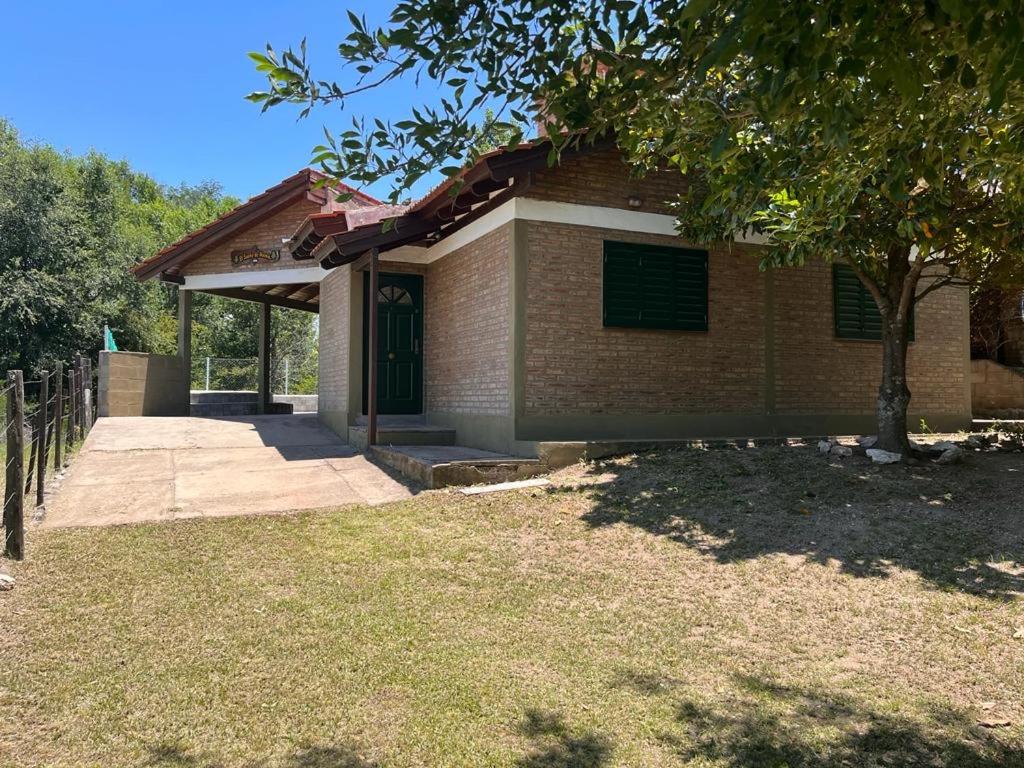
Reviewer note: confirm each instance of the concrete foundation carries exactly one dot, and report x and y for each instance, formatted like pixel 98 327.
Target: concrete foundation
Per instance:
pixel 438 466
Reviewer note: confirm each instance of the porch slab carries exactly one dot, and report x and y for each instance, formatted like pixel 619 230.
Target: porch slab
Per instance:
pixel 438 466
pixel 146 469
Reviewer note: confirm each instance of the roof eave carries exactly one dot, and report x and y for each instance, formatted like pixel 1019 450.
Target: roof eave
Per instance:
pixel 246 214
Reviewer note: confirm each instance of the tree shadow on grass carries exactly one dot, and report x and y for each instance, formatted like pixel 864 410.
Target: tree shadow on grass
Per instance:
pixel 960 527
pixel 556 745
pixel 170 755
pixel 767 725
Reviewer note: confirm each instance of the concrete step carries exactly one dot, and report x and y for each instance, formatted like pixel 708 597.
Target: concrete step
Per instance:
pixel 395 420
pixel 198 397
pixel 218 410
pixel 409 434
pixel 437 466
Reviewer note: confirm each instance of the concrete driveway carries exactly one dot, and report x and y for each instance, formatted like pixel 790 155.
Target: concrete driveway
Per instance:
pixel 138 469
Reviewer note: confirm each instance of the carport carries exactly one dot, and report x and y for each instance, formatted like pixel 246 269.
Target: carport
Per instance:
pixel 242 255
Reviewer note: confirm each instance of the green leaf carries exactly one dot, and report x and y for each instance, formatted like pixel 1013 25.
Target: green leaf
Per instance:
pixel 968 77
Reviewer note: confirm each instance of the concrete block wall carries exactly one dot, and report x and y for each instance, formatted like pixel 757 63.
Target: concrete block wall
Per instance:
pixel 1013 327
pixel 995 388
pixel 140 384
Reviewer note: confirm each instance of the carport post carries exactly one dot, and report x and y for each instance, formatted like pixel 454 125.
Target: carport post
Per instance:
pixel 263 385
pixel 371 357
pixel 185 340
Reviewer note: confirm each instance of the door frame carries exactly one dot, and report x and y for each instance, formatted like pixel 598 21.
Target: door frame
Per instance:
pixel 411 278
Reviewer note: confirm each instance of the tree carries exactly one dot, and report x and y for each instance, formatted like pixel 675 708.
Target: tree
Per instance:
pixel 886 135
pixel 492 134
pixel 70 229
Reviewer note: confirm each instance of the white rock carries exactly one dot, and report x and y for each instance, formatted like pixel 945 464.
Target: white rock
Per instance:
pixel 824 446
pixel 867 441
pixel 884 457
pixel 841 450
pixel 6 582
pixel 953 455
pixel 942 446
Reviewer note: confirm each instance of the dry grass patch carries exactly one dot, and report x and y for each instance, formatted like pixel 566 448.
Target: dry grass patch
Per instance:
pixel 728 608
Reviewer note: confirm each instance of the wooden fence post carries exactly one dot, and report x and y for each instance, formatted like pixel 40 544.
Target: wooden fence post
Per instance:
pixel 87 395
pixel 14 487
pixel 58 414
pixel 44 424
pixel 80 396
pixel 72 405
pixel 33 444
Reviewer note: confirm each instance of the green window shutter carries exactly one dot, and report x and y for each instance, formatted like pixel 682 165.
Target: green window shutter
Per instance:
pixel 654 286
pixel 854 308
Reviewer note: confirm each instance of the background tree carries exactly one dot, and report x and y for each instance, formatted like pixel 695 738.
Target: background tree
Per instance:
pixel 886 135
pixel 70 230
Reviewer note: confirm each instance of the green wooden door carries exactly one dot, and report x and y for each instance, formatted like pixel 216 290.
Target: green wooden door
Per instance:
pixel 399 343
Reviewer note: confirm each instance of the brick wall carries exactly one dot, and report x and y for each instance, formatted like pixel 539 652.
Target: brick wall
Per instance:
pixel 466 329
pixel 335 335
pixel 603 179
pixel 264 234
pixel 818 373
pixel 574 364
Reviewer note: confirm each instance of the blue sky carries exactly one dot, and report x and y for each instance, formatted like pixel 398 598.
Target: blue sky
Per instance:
pixel 161 84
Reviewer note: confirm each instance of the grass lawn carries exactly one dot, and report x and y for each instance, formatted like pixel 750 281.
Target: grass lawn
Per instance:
pixel 767 607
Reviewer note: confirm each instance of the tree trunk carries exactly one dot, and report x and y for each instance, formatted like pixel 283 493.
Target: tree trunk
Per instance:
pixel 896 304
pixel 893 393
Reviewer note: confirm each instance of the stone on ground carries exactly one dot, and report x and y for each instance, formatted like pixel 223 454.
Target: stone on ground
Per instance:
pixel 879 456
pixel 953 455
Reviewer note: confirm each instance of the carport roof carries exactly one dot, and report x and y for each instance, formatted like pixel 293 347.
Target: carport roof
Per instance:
pixel 167 262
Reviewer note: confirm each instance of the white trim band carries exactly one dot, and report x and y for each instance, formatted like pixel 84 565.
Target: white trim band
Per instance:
pixel 255 277
pixel 530 209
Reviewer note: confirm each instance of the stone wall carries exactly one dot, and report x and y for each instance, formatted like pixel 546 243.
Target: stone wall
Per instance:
pixel 140 384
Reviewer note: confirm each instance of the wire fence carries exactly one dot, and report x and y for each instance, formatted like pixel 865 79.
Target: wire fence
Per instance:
pixel 43 421
pixel 241 374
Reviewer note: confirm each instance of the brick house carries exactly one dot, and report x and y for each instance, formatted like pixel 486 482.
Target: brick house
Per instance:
pixel 536 304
